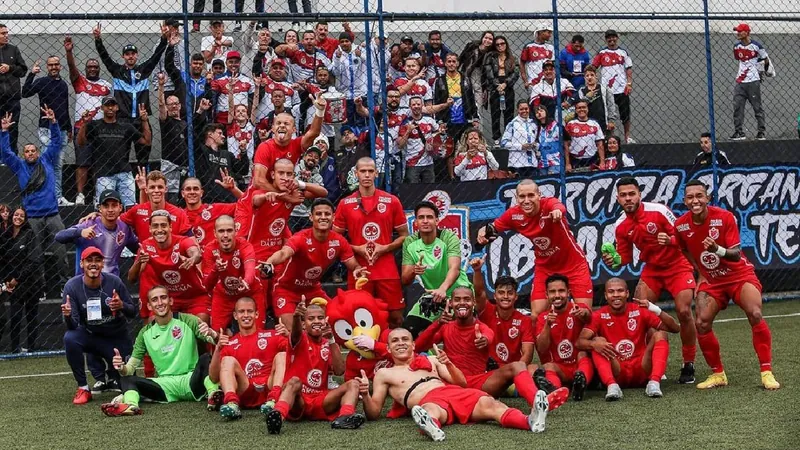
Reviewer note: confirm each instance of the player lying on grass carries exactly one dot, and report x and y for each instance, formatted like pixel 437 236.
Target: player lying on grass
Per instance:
pixel 249 365
pixel 434 389
pixel 171 340
pixel 624 351
pixel 312 353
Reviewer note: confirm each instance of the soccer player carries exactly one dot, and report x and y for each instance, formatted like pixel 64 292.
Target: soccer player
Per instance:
pixel 709 236
pixel 311 355
pixel 419 382
pixel 469 342
pixel 543 221
pixel 229 273
pixel 203 215
pixel 249 366
pixel 309 253
pixel 434 257
pixel 624 351
pixel 171 340
pixel 138 216
pixel 665 268
pixel 370 217
pixel 557 335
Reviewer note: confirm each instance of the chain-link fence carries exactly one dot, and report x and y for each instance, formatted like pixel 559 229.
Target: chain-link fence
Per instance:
pixel 411 85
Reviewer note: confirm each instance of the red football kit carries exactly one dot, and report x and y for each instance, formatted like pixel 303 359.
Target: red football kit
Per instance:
pixel 255 354
pixel 554 247
pixel 139 218
pixel 665 266
pixel 564 333
pixel 185 286
pixel 310 361
pixel 509 334
pixel 224 285
pixel 202 220
pixel 268 152
pixel 269 226
pixel 459 343
pixel 373 219
pixel 302 272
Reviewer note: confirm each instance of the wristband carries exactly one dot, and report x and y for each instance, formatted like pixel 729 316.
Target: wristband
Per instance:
pixel 721 251
pixel 654 309
pixel 301 185
pixel 319 112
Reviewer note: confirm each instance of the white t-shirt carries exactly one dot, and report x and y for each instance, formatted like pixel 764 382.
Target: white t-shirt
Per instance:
pixel 417 154
pixel 207 44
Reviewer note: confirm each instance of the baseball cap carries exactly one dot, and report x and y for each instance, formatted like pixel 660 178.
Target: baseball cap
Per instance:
pixel 315 149
pixel 233 54
pixel 406 39
pixel 742 27
pixel 543 26
pixel 216 22
pixel 129 48
pixel 109 99
pixel 346 128
pixel 217 62
pixel 277 61
pixel 610 33
pixel 547 63
pixel 109 194
pixel 89 251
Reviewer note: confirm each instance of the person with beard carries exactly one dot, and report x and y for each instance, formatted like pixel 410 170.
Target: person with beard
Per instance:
pixel 327 43
pixel 395 116
pixel 304 57
pixel 414 135
pixel 192 81
pixel 96 308
pixel 275 80
pixel 213 162
pixel 435 52
pixel 398 54
pixel 544 92
pixel 312 89
pixel 453 96
pixel 202 216
pixel 350 70
pixel 90 90
pixel 307 171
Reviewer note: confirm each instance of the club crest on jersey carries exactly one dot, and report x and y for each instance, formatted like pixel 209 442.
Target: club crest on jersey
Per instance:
pixel 120 238
pixel 175 257
pixel 502 351
pixel 652 228
pixel 513 332
pixel 331 253
pixel 253 367
pixel 632 324
pixel 371 231
pixel 625 348
pixel 172 277
pixel 381 208
pixel 570 322
pixel 542 243
pixel 199 234
pixel 314 378
pixel 565 349
pixel 281 302
pixel 177 332
pixel 542 222
pixel 437 252
pixel 262 343
pixel 713 233
pixel 324 352
pixel 206 214
pixel 236 262
pixel 313 273
pixel 709 260
pixel 277 226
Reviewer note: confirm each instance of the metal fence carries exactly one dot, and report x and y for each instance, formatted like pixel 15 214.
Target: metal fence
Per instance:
pixel 682 82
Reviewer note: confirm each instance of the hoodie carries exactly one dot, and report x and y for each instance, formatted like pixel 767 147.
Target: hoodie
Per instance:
pixel 573 64
pixel 42 202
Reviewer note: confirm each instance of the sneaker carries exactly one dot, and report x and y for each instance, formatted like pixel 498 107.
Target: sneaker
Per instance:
pixel 687 374
pixel 230 411
pixel 630 140
pixel 557 398
pixel 113 386
pixel 268 406
pixel 64 202
pixel 613 393
pixel 99 387
pixel 214 401
pixel 542 382
pixel 761 136
pixel 80 199
pixel 738 136
pixel 120 409
pixel 769 381
pixel 332 384
pixel 238 27
pixel 653 389
pixel 274 422
pixel 538 415
pixel 82 397
pixel 578 386
pixel 426 423
pixel 349 422
pixel 714 380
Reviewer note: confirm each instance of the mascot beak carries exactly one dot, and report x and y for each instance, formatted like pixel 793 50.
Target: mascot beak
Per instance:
pixel 373 332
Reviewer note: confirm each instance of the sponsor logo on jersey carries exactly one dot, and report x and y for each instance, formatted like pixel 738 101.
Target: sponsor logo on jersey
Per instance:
pixel 625 348
pixel 277 226
pixel 371 231
pixel 314 378
pixel 715 223
pixel 231 283
pixel 652 228
pixel 683 227
pixel 502 351
pixel 172 277
pixel 605 316
pixel 313 273
pixel 518 217
pixel 634 313
pixel 142 212
pixel 350 200
pixel 333 243
pixel 709 260
pixel 565 349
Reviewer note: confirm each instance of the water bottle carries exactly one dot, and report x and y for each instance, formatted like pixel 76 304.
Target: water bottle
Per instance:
pixel 502 102
pixel 609 249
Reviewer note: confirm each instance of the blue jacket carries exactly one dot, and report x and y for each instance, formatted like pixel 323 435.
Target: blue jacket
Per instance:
pixel 568 58
pixel 42 203
pixel 330 178
pixel 110 324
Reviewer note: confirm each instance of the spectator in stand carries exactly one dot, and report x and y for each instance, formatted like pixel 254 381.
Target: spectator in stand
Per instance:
pixel 455 105
pixel 548 138
pixel 329 44
pixel 535 54
pixel 174 143
pixel 264 126
pixel 435 53
pixel 583 140
pixel 275 80
pixel 519 139
pixel 212 160
pixel 307 171
pixel 750 54
pixel 544 92
pixel 199 7
pixel 305 57
pixel 194 82
pixel 616 69
pixel 321 84
pixel 399 53
pixel 616 158
pixel 473 159
pixel 395 117
pixel 89 92
pixel 110 140
pixel 53 93
pixel 25 281
pixel 413 84
pixel 258 46
pixel 291 37
pixel 12 68
pixel 470 63
pixel 232 84
pixel 217 45
pixel 704 159
pixel 602 107
pixel 35 174
pixel 346 156
pixel 501 73
pixel 241 135
pixel 350 70
pixel 414 136
pixel 574 59
pixel 173 41
pixel 327 168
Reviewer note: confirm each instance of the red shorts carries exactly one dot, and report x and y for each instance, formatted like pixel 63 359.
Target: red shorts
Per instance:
pixel 477 381
pixel 728 291
pixel 673 282
pixel 285 300
pixel 457 402
pixel 195 306
pixel 580 281
pixel 631 373
pixel 567 369
pixel 222 306
pixel 312 408
pixel 253 397
pixel 389 291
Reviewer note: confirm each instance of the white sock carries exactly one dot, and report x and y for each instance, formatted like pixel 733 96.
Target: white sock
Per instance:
pixel 85 388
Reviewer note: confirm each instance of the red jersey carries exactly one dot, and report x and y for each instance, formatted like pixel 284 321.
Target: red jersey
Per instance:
pixel 311 258
pixel 554 245
pixel 272 219
pixel 641 229
pixel 564 334
pixel 202 220
pixel 138 217
pixel 459 343
pixel 255 353
pixel 268 152
pixel 164 269
pixel 627 332
pixel 372 219
pixel 243 216
pixel 509 334
pixel 241 266
pixel 310 362
pixel 720 225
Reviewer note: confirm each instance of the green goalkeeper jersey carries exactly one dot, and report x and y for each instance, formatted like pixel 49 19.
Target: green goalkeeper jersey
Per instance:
pixel 172 347
pixel 434 257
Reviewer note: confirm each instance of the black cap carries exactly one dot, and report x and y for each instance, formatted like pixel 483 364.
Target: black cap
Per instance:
pixel 406 39
pixel 610 33
pixel 172 23
pixel 109 99
pixel 109 194
pixel 314 149
pixel 217 62
pixel 129 48
pixel 216 22
pixel 345 35
pixel 549 62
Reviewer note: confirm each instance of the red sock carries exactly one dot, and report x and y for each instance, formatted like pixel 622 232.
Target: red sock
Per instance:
pixel 149 367
pixel 603 369
pixel 514 418
pixel 585 366
pixel 436 421
pixel 525 386
pixel 762 343
pixel 709 345
pixel 283 408
pixel 689 352
pixel 231 397
pixel 347 410
pixel 553 378
pixel 274 393
pixel 659 357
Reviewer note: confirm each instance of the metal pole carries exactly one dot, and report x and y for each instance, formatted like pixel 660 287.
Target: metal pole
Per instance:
pixel 387 144
pixel 188 99
pixel 709 81
pixel 370 99
pixel 559 115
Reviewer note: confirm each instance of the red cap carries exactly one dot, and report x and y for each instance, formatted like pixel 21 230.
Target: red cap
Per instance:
pixel 277 61
pixel 742 27
pixel 233 54
pixel 89 251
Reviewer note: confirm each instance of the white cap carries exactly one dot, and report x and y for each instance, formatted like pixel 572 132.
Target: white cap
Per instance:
pixel 543 26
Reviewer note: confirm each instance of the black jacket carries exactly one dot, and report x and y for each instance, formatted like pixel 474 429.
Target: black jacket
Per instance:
pixel 491 69
pixel 22 255
pixel 9 81
pixel 131 86
pixel 183 82
pixel 440 95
